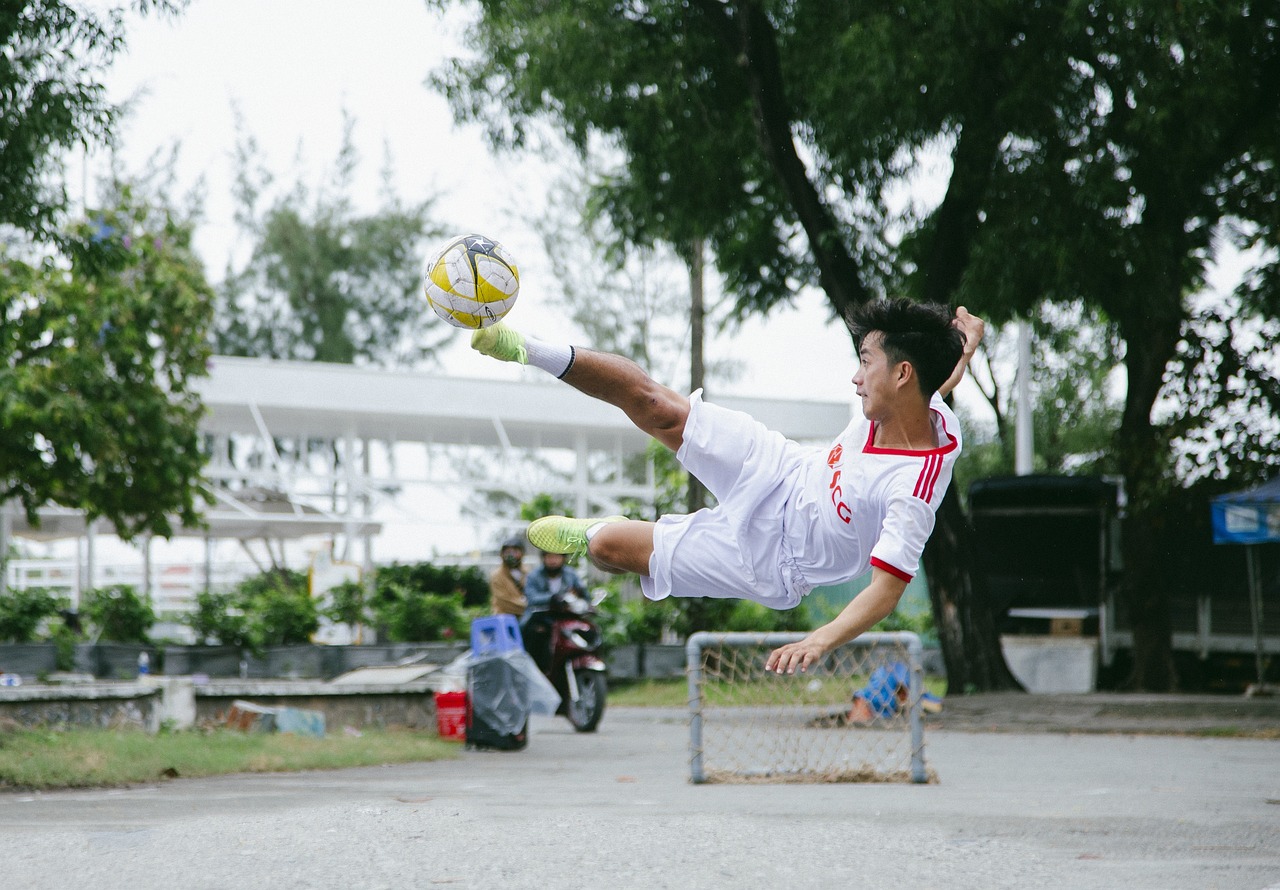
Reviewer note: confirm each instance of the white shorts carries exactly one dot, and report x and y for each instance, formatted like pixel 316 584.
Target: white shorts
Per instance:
pixel 735 550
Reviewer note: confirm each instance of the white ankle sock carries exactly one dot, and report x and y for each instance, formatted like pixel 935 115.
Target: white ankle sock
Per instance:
pixel 554 358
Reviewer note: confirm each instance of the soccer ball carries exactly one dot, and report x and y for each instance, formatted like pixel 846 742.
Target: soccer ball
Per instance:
pixel 471 282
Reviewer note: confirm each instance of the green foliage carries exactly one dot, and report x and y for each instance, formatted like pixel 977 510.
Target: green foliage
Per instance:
pixel 414 616
pixel 544 505
pixel 645 621
pixel 217 619
pixel 52 99
pixel 421 602
pixel 324 282
pixel 99 350
pixel 425 577
pixel 635 621
pixel 22 612
pixel 118 613
pixel 278 608
pixel 347 604
pixel 752 617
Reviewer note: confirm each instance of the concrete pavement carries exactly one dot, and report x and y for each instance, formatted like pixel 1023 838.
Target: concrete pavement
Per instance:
pixel 616 810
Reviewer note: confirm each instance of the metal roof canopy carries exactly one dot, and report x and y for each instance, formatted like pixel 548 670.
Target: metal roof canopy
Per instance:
pixel 269 398
pixel 324 400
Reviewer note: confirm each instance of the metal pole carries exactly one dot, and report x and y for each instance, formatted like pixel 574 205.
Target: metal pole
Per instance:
pixel 915 672
pixel 1024 444
pixel 1255 611
pixel 693 661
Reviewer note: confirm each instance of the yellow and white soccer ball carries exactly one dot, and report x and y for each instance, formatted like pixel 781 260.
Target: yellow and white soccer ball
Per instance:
pixel 471 282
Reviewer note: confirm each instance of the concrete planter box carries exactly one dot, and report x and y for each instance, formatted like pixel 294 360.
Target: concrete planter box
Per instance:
pixel 211 661
pixel 28 660
pixel 624 662
pixel 658 662
pixel 112 661
pixel 304 662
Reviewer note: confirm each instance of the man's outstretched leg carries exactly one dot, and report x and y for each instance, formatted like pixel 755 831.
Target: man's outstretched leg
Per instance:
pixel 614 544
pixel 655 409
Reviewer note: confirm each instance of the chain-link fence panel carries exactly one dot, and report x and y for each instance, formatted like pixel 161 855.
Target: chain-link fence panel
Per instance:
pixel 854 717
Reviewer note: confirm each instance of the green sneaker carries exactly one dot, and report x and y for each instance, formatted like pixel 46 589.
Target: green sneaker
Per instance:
pixel 500 342
pixel 560 534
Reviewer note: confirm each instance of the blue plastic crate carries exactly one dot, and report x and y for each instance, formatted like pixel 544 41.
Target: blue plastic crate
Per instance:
pixel 495 633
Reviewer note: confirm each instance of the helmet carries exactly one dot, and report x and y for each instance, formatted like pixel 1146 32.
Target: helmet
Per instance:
pixel 515 541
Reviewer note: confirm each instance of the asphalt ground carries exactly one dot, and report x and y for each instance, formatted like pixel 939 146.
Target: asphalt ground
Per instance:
pixel 1062 802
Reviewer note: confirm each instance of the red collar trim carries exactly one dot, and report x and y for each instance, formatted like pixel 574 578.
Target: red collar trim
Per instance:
pixel 870 447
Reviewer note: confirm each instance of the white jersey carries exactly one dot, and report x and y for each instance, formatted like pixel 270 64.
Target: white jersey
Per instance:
pixel 866 506
pixel 790 517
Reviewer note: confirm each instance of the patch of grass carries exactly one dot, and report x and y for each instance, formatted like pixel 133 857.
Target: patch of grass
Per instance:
pixel 649 693
pixel 89 758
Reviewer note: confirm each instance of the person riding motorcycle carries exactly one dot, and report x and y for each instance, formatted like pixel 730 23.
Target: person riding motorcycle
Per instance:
pixel 543 583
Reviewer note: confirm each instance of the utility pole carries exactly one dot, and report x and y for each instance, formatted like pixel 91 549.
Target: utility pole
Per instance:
pixel 696 493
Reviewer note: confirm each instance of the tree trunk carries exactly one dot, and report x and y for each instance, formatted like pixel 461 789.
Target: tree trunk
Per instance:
pixel 1151 338
pixel 1148 607
pixel 962 614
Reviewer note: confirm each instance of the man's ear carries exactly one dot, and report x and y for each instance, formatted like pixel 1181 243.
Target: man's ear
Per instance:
pixel 904 373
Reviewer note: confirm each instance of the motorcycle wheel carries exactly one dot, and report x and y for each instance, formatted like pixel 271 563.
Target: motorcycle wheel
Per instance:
pixel 585 713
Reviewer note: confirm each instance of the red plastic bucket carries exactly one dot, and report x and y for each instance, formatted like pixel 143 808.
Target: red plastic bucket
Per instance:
pixel 451 715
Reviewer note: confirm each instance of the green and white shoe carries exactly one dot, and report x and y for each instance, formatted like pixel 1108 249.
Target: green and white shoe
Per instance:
pixel 560 534
pixel 500 342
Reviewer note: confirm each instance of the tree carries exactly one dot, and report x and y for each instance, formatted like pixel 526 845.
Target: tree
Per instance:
pixel 51 99
pixel 1104 140
pixel 99 350
pixel 324 282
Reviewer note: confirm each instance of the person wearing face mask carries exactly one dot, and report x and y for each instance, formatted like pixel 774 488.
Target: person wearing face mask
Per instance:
pixel 543 583
pixel 506 584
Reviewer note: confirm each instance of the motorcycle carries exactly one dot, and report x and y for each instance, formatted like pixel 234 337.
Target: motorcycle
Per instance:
pixel 575 667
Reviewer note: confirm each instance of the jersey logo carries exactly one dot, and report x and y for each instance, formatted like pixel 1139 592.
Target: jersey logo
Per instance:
pixel 928 479
pixel 837 499
pixel 836 453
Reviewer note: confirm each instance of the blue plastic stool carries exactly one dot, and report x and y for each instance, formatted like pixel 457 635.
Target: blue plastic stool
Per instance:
pixel 495 633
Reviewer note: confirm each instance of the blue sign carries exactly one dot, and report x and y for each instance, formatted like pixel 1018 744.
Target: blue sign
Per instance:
pixel 1248 517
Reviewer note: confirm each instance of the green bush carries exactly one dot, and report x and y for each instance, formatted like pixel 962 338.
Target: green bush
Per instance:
pixel 217 619
pixel 22 612
pixel 644 621
pixel 424 577
pixel 277 607
pixel 413 616
pixel 118 613
pixel 272 608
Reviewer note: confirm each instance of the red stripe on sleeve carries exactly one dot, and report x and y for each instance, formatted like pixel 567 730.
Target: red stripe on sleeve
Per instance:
pixel 877 563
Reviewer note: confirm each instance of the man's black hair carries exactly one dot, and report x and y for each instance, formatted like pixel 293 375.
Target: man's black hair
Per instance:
pixel 919 333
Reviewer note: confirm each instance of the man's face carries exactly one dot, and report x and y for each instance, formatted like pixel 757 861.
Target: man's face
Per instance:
pixel 877 378
pixel 512 557
pixel 553 563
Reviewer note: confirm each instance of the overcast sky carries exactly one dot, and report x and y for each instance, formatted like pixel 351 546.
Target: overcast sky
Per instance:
pixel 291 67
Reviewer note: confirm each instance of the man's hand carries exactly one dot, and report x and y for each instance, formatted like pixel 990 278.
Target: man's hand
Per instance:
pixel 972 327
pixel 786 659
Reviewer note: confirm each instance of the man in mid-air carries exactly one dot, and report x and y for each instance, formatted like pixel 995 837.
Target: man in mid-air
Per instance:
pixel 788 517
